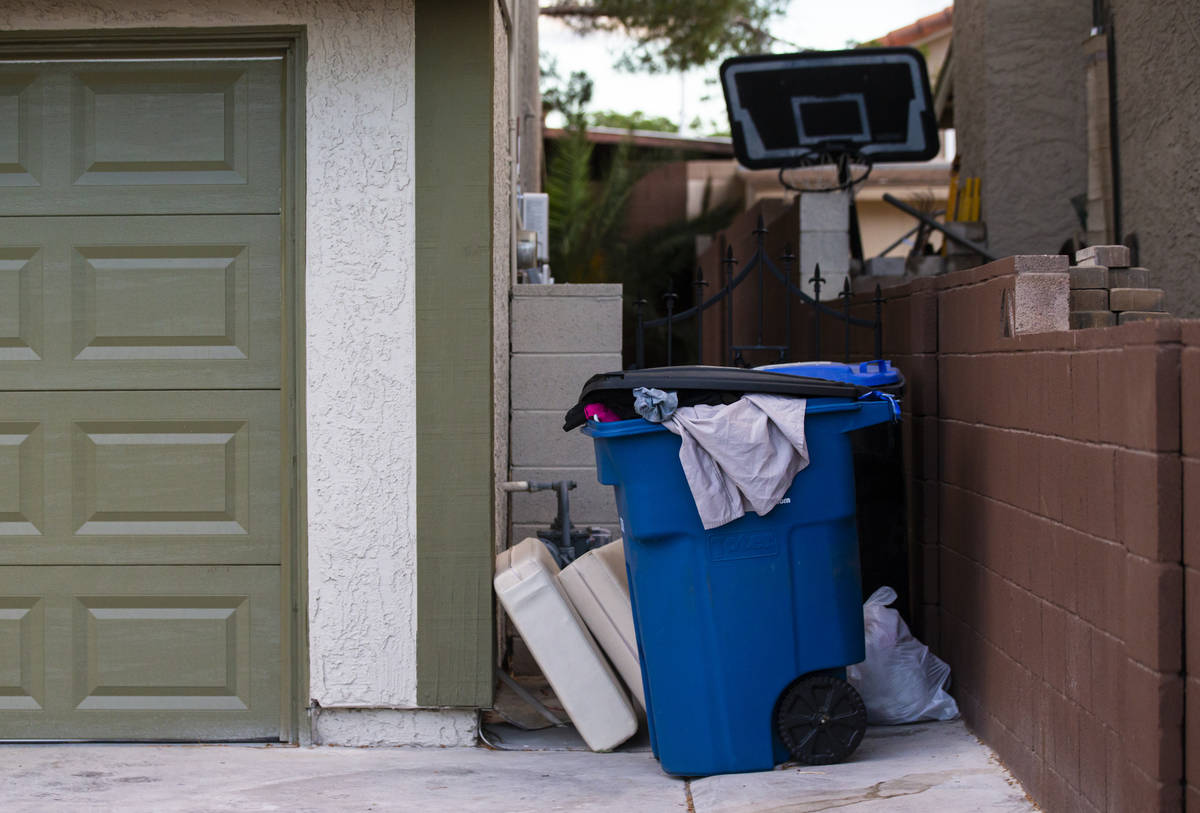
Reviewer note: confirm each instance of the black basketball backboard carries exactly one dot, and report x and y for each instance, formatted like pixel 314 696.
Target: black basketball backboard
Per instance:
pixel 788 110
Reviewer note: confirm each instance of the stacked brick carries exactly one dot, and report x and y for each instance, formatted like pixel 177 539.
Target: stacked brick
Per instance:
pixel 1054 544
pixel 1106 290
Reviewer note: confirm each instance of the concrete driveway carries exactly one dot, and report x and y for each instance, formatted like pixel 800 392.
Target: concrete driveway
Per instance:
pixel 933 766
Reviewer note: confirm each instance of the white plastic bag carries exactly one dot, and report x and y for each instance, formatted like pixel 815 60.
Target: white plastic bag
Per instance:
pixel 901 681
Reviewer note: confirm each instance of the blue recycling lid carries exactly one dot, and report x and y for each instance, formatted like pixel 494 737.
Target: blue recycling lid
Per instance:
pixel 870 374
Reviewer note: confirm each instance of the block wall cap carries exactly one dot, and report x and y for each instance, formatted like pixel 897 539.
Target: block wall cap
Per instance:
pixel 1018 264
pixel 600 290
pixel 1108 256
pixel 1160 331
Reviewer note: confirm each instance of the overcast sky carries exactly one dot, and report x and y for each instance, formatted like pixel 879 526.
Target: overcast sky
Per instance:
pixel 809 23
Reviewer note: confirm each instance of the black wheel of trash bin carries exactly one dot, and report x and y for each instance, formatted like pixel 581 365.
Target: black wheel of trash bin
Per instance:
pixel 820 718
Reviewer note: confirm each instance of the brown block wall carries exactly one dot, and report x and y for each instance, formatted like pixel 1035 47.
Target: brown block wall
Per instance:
pixel 1047 475
pixel 1189 391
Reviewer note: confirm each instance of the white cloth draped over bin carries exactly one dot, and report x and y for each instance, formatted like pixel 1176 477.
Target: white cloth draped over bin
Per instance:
pixel 742 456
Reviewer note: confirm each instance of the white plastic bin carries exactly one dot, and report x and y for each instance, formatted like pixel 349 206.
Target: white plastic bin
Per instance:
pixel 527 585
pixel 599 588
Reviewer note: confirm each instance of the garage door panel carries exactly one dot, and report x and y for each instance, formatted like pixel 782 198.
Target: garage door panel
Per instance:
pixel 154 137
pixel 140 652
pixel 140 303
pixel 160 302
pixel 134 478
pixel 20 127
pixel 22 478
pixel 21 312
pixel 22 653
pixel 141 127
pixel 162 652
pixel 151 478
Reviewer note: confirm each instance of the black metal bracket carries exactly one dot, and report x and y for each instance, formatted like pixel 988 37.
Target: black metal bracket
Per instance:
pixel 933 224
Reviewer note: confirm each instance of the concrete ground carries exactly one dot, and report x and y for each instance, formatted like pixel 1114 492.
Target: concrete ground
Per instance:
pixel 932 766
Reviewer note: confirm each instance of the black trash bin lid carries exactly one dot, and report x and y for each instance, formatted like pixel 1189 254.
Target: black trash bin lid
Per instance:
pixel 699 385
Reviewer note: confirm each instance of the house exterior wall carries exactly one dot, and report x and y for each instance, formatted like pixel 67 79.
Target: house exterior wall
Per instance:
pixel 658 199
pixel 881 223
pixel 1158 59
pixel 359 330
pixel 1054 540
pixel 1019 100
pixel 935 49
pixel 527 95
pixel 510 94
pixel 1020 114
pixel 456 208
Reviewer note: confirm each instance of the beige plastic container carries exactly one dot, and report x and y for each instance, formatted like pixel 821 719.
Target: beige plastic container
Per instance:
pixel 599 588
pixel 527 585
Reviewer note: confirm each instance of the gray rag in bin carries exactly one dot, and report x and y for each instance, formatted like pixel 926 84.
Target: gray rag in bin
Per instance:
pixel 740 456
pixel 654 405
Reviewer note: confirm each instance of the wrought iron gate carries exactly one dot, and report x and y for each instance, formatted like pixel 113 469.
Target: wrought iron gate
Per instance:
pixel 758 266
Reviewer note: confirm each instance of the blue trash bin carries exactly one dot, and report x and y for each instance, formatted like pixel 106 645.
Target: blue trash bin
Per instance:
pixel 878 478
pixel 877 375
pixel 744 631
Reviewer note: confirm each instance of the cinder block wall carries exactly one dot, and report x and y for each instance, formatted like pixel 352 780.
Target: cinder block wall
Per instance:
pixel 1189 392
pixel 1047 474
pixel 561 336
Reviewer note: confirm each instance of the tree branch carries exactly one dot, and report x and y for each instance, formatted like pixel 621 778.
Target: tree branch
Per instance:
pixel 762 33
pixel 567 10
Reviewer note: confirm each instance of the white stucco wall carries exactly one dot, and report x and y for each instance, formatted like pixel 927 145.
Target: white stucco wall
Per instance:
pixel 371 728
pixel 359 320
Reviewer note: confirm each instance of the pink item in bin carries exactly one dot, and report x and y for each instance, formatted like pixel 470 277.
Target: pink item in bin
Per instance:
pixel 599 412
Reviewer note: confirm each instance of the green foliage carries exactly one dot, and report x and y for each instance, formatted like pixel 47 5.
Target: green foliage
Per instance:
pixel 665 260
pixel 587 204
pixel 710 127
pixel 637 120
pixel 586 216
pixel 588 241
pixel 589 196
pixel 671 35
pixel 569 99
pixel 588 211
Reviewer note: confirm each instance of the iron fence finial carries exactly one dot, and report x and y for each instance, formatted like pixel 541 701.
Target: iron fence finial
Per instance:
pixel 816 281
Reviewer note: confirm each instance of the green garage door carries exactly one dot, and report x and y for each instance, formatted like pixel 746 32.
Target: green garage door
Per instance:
pixel 141 467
